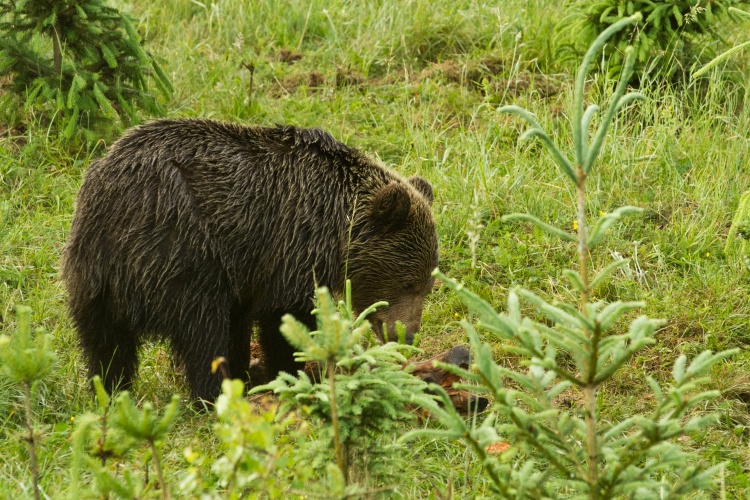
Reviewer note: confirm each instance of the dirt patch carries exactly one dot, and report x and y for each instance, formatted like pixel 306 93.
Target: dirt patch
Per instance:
pixel 453 72
pixel 5 82
pixel 523 84
pixel 682 329
pixel 484 75
pixel 348 78
pixel 314 82
pixel 16 136
pixel 17 133
pixel 470 73
pixel 493 65
pixel 288 56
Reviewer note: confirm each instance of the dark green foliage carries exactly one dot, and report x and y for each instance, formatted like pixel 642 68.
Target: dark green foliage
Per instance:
pixel 370 397
pixel 728 53
pixel 670 29
pixel 79 61
pixel 681 155
pixel 116 430
pixel 367 392
pixel 638 454
pixel 26 360
pixel 260 454
pixel 577 349
pixel 737 246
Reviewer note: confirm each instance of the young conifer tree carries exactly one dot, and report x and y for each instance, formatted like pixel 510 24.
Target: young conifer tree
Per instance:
pixel 671 35
pixel 363 395
pixel 25 359
pixel 575 349
pixel 79 61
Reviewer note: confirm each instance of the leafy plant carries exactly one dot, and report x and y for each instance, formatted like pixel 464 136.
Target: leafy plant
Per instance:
pixel 738 239
pixel 261 456
pixel 80 61
pixel 367 391
pixel 727 54
pixel 118 429
pixel 670 27
pixel 25 360
pixel 575 349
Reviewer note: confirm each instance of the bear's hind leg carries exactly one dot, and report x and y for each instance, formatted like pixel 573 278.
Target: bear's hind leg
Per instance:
pixel 196 346
pixel 111 350
pixel 278 354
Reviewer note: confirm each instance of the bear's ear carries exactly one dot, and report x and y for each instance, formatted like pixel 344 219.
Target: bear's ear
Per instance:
pixel 390 207
pixel 424 187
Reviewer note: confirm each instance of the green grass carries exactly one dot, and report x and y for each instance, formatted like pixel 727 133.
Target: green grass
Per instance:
pixel 419 83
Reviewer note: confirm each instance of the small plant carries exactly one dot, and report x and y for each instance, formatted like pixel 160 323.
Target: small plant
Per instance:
pixel 115 431
pixel 738 239
pixel 669 27
pixel 575 350
pixel 79 61
pixel 260 455
pixel 25 360
pixel 367 391
pixel 727 54
pixel 145 426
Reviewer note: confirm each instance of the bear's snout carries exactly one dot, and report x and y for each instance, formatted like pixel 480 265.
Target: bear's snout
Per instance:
pixel 385 322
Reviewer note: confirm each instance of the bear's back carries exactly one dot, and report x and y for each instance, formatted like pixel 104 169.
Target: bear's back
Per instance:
pixel 272 204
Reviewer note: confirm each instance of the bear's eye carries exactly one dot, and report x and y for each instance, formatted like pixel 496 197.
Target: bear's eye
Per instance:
pixel 410 288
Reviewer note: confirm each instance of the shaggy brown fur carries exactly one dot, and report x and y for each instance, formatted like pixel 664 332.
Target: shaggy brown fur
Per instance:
pixel 195 231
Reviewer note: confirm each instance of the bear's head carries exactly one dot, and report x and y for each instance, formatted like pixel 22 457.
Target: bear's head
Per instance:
pixel 392 255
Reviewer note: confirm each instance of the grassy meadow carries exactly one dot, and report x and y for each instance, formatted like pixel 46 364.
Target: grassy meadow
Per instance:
pixel 416 85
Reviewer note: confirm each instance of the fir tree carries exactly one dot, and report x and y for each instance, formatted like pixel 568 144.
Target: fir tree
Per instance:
pixel 576 348
pixel 26 359
pixel 80 61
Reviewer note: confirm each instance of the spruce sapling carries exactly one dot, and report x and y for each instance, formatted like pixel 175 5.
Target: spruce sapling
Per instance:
pixel 568 451
pixel 98 70
pixel 25 360
pixel 366 391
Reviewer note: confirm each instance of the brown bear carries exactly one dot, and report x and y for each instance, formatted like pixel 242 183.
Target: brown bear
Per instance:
pixel 196 231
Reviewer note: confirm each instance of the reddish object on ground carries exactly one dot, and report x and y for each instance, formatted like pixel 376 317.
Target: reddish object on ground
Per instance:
pixel 464 401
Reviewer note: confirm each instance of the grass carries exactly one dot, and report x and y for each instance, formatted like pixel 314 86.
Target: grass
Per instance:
pixel 416 84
